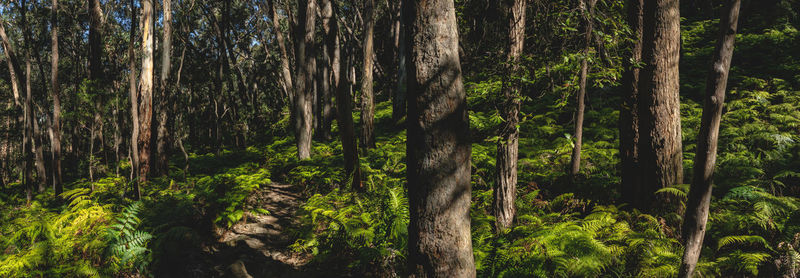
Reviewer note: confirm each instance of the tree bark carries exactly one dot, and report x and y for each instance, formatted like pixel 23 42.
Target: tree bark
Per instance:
pixel 660 153
pixel 399 96
pixel 438 146
pixel 56 95
pixel 96 72
pixel 162 142
pixel 28 145
pixel 505 190
pixel 344 106
pixel 586 7
pixel 146 91
pixel 13 65
pixel 134 95
pixel 699 199
pixel 304 118
pixel 286 72
pixel 367 96
pixel 631 186
pixel 324 98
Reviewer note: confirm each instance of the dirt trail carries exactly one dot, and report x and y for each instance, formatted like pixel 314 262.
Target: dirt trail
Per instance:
pixel 258 246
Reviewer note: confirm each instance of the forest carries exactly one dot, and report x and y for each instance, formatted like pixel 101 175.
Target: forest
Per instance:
pixel 399 138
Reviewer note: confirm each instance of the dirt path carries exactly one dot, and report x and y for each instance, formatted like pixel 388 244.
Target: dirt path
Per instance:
pixel 258 246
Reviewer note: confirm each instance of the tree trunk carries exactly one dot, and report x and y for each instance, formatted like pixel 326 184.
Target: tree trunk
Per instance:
pixel 660 153
pixel 286 72
pixel 146 91
pixel 13 65
pixel 324 98
pixel 28 145
pixel 367 96
pixel 304 118
pixel 344 106
pixel 134 95
pixel 96 71
pixel 696 215
pixel 631 186
pixel 586 7
pixel 505 190
pixel 399 96
pixel 56 95
pixel 162 142
pixel 438 145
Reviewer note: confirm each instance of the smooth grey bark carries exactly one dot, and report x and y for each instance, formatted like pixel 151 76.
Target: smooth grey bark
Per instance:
pixel 56 95
pixel 505 191
pixel 660 153
pixel 438 146
pixel 699 199
pixel 134 96
pixel 163 136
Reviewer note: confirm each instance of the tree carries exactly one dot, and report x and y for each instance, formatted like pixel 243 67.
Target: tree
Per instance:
pixel 399 95
pixel 438 146
pixel 629 111
pixel 95 75
pixel 587 10
pixel 56 95
pixel 134 95
pixel 699 199
pixel 505 190
pixel 162 141
pixel 660 153
pixel 342 88
pixel 146 91
pixel 324 110
pixel 367 96
pixel 304 97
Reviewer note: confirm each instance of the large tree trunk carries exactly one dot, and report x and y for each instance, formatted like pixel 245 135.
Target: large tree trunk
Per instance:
pixel 696 215
pixel 631 186
pixel 438 145
pixel 399 95
pixel 56 95
pixel 325 111
pixel 343 100
pixel 96 72
pixel 660 154
pixel 146 91
pixel 586 7
pixel 505 190
pixel 367 96
pixel 134 95
pixel 304 118
pixel 28 147
pixel 162 142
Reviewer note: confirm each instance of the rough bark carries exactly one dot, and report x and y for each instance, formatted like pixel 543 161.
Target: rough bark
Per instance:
pixel 699 199
pixel 399 96
pixel 304 118
pixel 505 190
pixel 28 145
pixel 13 65
pixel 146 91
pixel 96 72
pixel 629 112
pixel 56 95
pixel 324 99
pixel 367 96
pixel 438 145
pixel 660 153
pixel 586 7
pixel 162 141
pixel 344 106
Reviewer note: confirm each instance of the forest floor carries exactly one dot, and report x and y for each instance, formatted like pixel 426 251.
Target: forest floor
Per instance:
pixel 258 246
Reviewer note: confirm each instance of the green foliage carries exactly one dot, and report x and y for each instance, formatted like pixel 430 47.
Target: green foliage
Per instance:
pixel 127 244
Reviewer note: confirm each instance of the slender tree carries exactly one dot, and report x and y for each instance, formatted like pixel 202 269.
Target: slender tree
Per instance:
pixel 304 97
pixel 660 153
pixel 438 145
pixel 587 11
pixel 146 91
pixel 134 95
pixel 95 76
pixel 399 93
pixel 367 96
pixel 286 72
pixel 56 95
pixel 325 83
pixel 505 190
pixel 629 111
pixel 699 199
